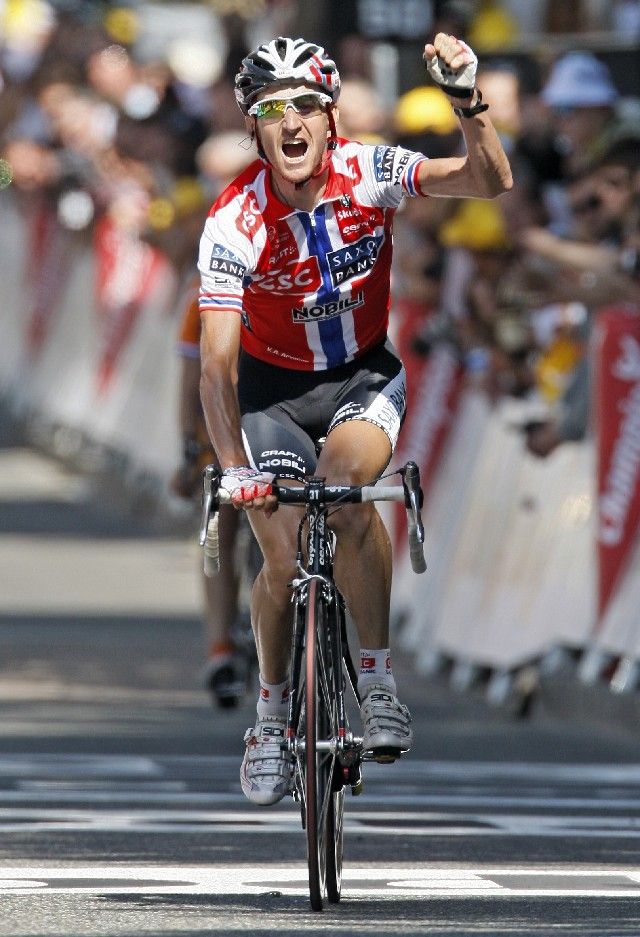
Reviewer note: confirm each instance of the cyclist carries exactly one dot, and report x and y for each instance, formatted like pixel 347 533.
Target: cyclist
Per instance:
pixel 226 668
pixel 295 263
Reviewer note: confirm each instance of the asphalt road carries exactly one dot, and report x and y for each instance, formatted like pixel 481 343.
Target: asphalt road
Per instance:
pixel 120 809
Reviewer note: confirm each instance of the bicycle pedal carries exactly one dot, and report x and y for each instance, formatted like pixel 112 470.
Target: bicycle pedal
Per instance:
pixel 386 756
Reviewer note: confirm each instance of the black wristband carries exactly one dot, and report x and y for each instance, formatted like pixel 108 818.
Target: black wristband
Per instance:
pixel 477 108
pixel 457 92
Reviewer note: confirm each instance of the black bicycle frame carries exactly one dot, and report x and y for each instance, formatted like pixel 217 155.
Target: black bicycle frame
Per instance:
pixel 319 565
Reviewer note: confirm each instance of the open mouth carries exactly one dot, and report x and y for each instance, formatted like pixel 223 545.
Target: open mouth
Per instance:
pixel 295 150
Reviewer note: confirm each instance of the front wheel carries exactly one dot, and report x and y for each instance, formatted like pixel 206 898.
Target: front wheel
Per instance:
pixel 323 795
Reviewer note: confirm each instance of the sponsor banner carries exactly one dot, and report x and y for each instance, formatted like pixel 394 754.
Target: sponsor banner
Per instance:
pixel 49 259
pixel 617 412
pixel 127 271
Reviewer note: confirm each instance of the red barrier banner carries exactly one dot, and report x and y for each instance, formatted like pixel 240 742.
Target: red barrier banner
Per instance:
pixel 434 384
pixel 50 256
pixel 617 413
pixel 127 270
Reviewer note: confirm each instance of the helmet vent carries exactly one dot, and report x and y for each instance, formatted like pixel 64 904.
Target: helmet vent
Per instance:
pixel 304 56
pixel 261 62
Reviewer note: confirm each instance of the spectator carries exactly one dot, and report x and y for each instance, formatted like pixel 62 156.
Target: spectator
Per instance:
pixel 602 267
pixel 362 117
pixel 582 97
pixel 492 27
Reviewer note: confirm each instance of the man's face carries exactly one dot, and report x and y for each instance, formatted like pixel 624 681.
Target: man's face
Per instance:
pixel 294 143
pixel 579 126
pixel 614 186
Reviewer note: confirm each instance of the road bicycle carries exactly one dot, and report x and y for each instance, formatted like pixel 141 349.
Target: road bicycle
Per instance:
pixel 327 756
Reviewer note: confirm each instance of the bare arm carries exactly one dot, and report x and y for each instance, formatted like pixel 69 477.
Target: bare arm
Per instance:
pixel 602 281
pixel 597 258
pixel 189 397
pixel 484 172
pixel 219 349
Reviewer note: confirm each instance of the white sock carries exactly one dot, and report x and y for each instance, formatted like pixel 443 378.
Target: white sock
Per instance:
pixel 375 667
pixel 273 699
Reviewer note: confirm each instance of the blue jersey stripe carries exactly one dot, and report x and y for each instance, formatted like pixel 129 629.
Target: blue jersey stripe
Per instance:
pixel 330 330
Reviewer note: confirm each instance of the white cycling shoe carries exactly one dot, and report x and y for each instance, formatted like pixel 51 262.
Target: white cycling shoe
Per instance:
pixel 386 724
pixel 266 772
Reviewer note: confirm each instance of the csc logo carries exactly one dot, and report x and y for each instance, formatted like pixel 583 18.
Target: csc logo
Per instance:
pixel 249 221
pixel 305 277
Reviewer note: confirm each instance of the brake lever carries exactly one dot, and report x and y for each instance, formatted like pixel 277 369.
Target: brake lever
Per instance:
pixel 413 502
pixel 210 484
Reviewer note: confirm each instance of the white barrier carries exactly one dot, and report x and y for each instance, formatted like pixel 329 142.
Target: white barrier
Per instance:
pixel 59 382
pixel 136 414
pixel 510 539
pixel 14 295
pixel 418 600
pixel 513 541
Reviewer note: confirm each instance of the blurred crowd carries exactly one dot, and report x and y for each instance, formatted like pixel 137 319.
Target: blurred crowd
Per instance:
pixel 125 111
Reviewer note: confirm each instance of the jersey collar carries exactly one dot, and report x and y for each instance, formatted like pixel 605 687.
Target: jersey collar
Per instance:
pixel 338 186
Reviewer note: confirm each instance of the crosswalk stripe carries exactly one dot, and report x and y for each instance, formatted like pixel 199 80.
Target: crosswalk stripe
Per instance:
pixel 187 795
pixel 463 882
pixel 404 771
pixel 378 823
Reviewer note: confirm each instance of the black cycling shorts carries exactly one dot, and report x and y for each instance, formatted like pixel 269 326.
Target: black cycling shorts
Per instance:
pixel 285 412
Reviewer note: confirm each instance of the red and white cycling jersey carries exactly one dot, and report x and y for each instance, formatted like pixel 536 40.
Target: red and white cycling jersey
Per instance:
pixel 312 287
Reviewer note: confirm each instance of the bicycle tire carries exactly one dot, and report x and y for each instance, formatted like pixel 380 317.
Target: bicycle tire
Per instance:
pixel 322 821
pixel 314 764
pixel 335 816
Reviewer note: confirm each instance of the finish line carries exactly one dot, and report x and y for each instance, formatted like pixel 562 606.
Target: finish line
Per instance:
pixel 290 881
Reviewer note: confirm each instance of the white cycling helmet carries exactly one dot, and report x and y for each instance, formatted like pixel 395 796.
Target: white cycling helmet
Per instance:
pixel 283 61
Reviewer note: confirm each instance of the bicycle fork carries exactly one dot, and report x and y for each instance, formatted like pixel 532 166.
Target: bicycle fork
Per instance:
pixel 344 746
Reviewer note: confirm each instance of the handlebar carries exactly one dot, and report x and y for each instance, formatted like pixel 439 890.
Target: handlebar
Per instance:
pixel 316 492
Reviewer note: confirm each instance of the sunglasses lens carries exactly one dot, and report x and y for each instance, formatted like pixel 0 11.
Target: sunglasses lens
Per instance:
pixel 270 109
pixel 305 104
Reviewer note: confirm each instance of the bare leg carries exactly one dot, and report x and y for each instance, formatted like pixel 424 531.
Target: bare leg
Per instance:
pixel 271 614
pixel 357 452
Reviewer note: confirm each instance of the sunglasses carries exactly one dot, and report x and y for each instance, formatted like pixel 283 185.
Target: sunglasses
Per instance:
pixel 307 105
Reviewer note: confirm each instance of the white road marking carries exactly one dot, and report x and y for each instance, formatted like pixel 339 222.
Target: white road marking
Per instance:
pixel 404 771
pixel 292 880
pixel 78 766
pixel 176 794
pixel 132 794
pixel 269 822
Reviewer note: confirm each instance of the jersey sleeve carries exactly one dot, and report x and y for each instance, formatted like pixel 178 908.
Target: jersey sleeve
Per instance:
pixel 224 259
pixel 389 173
